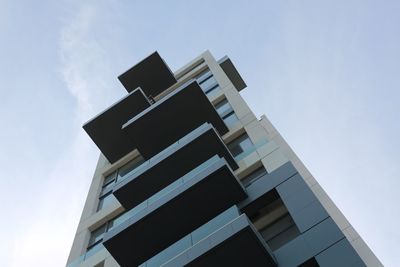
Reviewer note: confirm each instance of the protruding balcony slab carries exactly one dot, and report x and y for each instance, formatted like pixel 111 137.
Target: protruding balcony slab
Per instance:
pixel 151 74
pixel 200 198
pixel 105 129
pixel 232 73
pixel 174 116
pixel 171 164
pixel 236 244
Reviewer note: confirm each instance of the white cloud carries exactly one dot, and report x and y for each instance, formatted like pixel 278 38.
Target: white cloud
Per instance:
pixel 46 238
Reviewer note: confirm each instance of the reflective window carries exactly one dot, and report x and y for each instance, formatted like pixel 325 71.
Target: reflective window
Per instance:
pixel 105 200
pixel 254 176
pixel 96 236
pixel 207 82
pixel 106 196
pixel 230 119
pixel 203 75
pixel 223 107
pixel 129 167
pixel 240 145
pixel 273 221
pixel 109 181
pixel 280 232
pixel 225 111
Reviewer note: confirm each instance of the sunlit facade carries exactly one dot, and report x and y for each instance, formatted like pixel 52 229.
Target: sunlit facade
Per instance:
pixel 188 176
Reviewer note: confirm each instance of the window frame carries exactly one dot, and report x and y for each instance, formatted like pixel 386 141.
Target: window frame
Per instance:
pixel 108 185
pixel 248 180
pixel 229 145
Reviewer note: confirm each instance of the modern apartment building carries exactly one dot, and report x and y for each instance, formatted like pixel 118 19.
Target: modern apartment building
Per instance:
pixel 188 176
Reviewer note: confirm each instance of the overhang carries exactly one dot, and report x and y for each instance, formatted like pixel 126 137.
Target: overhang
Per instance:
pixel 171 164
pixel 174 116
pixel 151 74
pixel 236 244
pixel 105 129
pixel 180 211
pixel 232 73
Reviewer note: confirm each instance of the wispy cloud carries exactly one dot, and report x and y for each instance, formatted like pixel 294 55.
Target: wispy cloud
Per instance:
pixel 46 242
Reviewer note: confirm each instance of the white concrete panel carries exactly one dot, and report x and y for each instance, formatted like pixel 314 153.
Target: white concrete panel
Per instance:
pixel 274 160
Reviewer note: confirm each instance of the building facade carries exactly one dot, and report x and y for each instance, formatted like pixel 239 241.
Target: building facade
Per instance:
pixel 188 176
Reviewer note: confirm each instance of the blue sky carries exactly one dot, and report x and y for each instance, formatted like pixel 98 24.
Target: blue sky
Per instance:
pixel 326 73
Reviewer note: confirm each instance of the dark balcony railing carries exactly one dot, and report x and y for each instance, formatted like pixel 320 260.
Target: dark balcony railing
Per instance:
pixel 175 212
pixel 172 117
pixel 193 238
pixel 224 241
pixel 171 164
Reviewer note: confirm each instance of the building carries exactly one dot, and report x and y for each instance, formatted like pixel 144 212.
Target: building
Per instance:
pixel 200 181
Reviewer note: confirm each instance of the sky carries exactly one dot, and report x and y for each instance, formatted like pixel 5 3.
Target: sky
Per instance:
pixel 326 73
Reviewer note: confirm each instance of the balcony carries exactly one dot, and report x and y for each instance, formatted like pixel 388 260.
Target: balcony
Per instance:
pixel 237 243
pixel 151 74
pixel 201 195
pixel 105 129
pixel 171 164
pixel 174 116
pixel 232 73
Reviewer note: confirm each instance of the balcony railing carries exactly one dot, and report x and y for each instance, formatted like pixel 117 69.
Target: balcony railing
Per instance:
pixel 174 212
pixel 170 164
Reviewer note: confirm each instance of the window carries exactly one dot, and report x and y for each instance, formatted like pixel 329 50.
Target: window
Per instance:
pixel 273 221
pixel 225 111
pixel 180 75
pixel 207 82
pixel 105 200
pixel 106 196
pixel 280 232
pixel 128 168
pixel 96 236
pixel 254 176
pixel 240 145
pixel 108 184
pixel 203 75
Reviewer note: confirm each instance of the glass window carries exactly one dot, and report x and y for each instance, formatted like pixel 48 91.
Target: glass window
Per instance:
pixel 105 200
pixel 203 75
pixel 280 232
pixel 96 236
pixel 230 118
pixel 110 178
pixel 208 83
pixel 223 107
pixel 253 176
pixel 129 167
pixel 273 221
pixel 240 145
pixel 109 181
